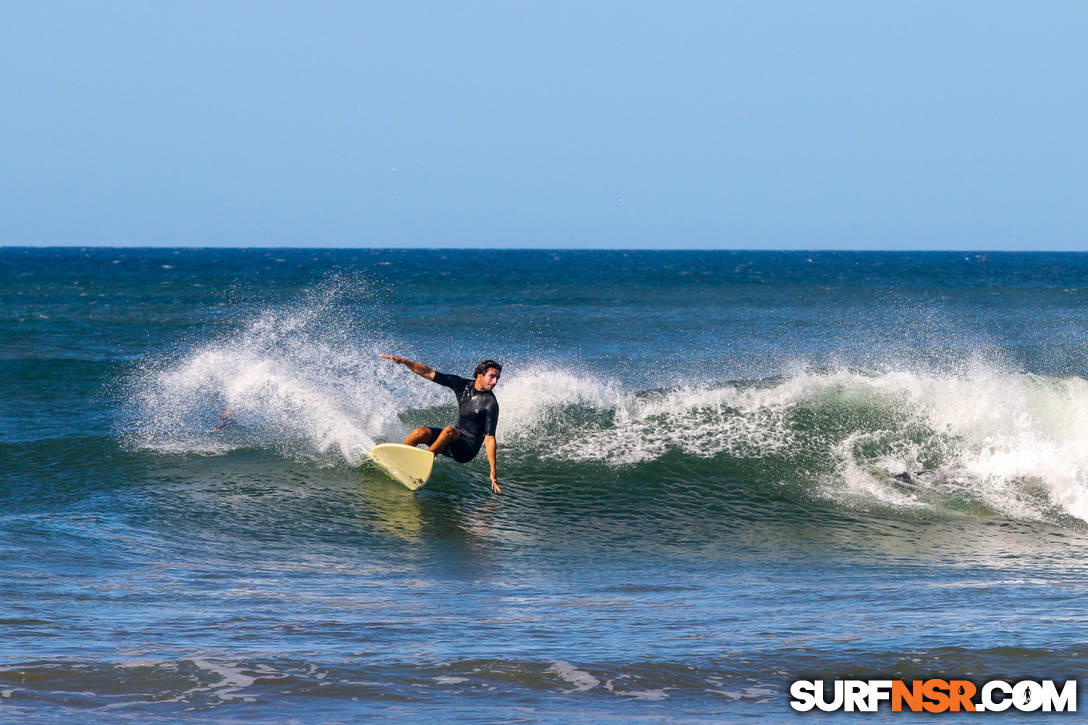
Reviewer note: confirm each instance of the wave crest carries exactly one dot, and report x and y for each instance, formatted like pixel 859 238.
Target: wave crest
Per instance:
pixel 1011 443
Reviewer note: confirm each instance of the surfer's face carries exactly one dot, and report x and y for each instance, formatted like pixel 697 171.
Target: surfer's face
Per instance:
pixel 489 379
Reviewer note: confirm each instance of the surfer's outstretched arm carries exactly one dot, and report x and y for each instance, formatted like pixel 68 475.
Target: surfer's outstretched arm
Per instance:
pixel 417 368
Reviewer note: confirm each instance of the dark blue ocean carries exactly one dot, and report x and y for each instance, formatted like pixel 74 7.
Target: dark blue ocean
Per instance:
pixel 721 472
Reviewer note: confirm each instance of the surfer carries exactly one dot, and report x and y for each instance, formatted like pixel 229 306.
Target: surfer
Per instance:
pixel 478 413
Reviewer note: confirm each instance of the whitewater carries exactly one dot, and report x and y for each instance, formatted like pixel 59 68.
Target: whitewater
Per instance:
pixel 302 385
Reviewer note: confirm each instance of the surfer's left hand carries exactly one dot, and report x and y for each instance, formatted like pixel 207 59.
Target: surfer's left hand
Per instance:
pixel 495 485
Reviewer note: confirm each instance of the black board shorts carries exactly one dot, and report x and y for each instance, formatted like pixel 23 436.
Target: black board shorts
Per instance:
pixel 462 450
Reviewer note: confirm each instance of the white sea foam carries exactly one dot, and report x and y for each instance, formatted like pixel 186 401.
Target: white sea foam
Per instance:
pixel 232 680
pixel 632 428
pixel 581 679
pixel 302 380
pixel 1013 441
pixel 449 680
pixel 536 395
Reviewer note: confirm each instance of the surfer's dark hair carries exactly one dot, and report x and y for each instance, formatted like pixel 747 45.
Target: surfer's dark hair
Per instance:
pixel 487 365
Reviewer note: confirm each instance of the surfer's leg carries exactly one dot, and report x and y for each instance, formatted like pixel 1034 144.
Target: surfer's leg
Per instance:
pixel 447 436
pixel 419 435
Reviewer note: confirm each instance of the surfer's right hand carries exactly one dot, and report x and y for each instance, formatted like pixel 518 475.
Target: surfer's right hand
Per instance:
pixel 395 358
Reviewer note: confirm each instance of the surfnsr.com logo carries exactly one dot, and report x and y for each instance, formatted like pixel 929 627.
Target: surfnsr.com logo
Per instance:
pixel 933 695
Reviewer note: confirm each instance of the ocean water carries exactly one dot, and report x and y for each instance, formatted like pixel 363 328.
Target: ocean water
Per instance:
pixel 721 471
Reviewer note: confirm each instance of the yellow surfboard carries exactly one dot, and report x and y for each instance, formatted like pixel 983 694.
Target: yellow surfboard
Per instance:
pixel 411 466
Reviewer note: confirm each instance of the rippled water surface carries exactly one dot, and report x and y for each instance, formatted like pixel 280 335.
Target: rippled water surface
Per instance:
pixel 721 472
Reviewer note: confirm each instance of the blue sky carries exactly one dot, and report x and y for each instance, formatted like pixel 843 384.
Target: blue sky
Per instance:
pixel 781 125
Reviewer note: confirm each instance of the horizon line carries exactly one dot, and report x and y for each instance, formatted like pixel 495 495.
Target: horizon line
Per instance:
pixel 545 249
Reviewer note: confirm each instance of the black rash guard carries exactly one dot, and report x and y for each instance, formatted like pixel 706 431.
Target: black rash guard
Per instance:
pixel 478 414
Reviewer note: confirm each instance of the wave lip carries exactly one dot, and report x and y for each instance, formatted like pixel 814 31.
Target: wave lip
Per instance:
pixel 979 439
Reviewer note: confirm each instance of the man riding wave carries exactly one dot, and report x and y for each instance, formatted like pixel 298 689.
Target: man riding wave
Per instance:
pixel 478 414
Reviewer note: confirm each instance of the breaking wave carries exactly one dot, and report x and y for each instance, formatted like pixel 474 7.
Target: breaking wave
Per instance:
pixel 1011 443
pixel 306 381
